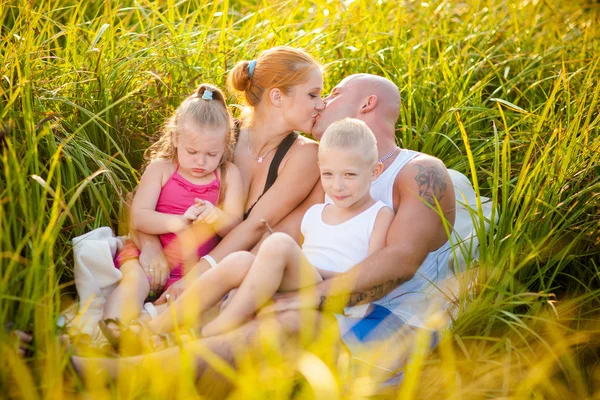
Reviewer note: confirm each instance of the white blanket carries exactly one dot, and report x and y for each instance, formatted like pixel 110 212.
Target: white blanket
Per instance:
pixel 95 278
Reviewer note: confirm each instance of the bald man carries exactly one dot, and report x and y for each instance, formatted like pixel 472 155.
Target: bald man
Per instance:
pixel 398 282
pixel 402 280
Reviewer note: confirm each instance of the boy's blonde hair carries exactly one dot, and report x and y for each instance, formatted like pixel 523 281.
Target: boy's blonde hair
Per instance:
pixel 350 134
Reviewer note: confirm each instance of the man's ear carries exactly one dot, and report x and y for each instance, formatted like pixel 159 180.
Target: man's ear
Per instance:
pixel 275 96
pixel 369 104
pixel 376 171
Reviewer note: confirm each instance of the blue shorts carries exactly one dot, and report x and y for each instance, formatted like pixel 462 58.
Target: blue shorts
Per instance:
pixel 380 341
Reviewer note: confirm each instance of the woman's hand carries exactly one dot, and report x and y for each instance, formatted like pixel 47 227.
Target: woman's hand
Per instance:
pixel 153 262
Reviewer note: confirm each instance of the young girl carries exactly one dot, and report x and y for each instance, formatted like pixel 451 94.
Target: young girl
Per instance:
pixel 281 91
pixel 189 195
pixel 337 236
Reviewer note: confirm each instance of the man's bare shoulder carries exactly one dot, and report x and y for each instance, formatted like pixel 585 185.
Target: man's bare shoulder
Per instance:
pixel 426 176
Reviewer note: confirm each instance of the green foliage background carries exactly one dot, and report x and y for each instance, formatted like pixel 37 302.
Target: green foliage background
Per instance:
pixel 505 91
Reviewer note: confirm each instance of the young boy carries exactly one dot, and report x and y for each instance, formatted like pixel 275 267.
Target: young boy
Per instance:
pixel 337 235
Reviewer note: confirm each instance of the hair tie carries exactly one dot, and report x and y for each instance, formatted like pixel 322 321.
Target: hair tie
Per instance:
pixel 251 66
pixel 207 95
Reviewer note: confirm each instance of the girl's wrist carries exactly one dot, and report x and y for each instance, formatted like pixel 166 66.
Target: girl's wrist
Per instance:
pixel 185 222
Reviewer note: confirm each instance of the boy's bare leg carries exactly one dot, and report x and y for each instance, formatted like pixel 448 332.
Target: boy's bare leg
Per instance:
pixel 279 265
pixel 125 302
pixel 204 293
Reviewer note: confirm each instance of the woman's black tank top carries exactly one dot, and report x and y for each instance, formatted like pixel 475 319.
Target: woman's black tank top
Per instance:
pixel 282 150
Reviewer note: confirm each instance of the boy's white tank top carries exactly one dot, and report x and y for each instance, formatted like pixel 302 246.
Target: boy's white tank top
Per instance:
pixel 417 298
pixel 338 247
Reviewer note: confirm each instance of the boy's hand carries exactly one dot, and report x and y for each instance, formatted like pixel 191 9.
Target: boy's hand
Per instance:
pixel 172 293
pixel 208 213
pixel 227 300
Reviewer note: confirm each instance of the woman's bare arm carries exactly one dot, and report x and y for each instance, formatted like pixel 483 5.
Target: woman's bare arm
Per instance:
pixel 294 183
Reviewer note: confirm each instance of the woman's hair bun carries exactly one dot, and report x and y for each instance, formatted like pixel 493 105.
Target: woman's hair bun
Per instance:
pixel 239 77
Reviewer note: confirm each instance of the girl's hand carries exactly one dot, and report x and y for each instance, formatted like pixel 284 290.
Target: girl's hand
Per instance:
pixel 193 212
pixel 208 213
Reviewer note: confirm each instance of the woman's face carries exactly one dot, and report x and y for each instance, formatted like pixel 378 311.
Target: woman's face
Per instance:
pixel 303 103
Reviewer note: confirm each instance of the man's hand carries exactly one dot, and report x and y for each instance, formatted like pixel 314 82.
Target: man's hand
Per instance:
pixel 155 266
pixel 296 300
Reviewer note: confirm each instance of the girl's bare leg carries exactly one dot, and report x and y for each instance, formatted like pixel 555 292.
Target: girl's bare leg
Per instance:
pixel 279 265
pixel 125 302
pixel 204 293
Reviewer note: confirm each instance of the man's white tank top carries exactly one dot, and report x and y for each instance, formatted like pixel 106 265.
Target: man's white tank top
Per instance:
pixel 417 298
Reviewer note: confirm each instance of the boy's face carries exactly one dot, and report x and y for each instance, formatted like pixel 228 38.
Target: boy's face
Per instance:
pixel 346 176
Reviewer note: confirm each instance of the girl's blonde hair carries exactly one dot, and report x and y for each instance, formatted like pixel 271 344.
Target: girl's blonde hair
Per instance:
pixel 279 67
pixel 350 134
pixel 208 109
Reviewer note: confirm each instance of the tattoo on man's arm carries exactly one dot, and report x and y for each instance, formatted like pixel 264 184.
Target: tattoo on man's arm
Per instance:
pixel 338 302
pixel 431 183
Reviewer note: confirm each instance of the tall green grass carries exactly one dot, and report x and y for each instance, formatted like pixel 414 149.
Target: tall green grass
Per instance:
pixel 505 91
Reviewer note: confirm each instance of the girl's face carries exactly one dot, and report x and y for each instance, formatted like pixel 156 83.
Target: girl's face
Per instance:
pixel 346 177
pixel 303 103
pixel 199 148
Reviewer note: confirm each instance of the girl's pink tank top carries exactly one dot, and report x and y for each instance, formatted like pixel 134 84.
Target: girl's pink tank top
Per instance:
pixel 176 196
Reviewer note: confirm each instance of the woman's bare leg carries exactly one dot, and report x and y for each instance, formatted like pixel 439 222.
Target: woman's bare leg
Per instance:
pixel 125 302
pixel 279 264
pixel 204 293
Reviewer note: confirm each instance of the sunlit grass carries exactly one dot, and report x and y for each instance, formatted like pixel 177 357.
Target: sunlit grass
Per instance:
pixel 505 91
